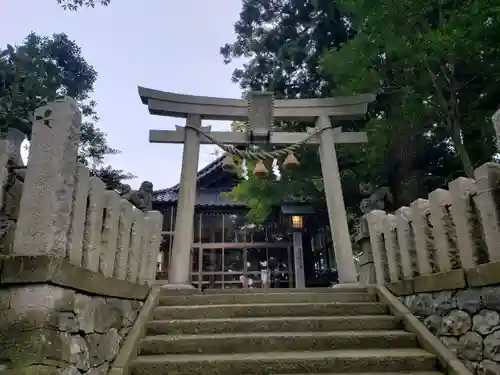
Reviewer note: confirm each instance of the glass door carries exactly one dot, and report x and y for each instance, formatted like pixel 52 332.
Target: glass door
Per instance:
pixel 230 265
pixel 217 267
pixel 276 259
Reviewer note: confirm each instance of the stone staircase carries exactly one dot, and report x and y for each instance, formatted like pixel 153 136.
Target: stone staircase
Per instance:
pixel 322 331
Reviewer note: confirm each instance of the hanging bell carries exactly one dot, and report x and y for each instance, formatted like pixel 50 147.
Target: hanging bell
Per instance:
pixel 228 163
pixel 260 169
pixel 291 161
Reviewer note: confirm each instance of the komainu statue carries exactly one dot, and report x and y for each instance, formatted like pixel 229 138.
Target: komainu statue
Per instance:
pixel 142 198
pixel 377 199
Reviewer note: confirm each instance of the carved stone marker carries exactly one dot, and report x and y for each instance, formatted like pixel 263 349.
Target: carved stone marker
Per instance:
pixel 46 203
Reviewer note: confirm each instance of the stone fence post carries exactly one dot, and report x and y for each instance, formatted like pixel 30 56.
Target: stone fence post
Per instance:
pixel 376 223
pixel 366 265
pixel 46 203
pixel 496 125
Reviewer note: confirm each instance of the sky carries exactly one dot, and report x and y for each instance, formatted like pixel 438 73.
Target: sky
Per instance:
pixel 160 44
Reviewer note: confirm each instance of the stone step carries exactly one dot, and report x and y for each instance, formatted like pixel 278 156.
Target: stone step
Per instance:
pixel 275 341
pixel 335 361
pixel 270 309
pixel 347 289
pixel 261 298
pixel 273 324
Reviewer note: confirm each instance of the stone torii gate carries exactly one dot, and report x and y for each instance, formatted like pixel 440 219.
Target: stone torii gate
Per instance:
pixel 259 111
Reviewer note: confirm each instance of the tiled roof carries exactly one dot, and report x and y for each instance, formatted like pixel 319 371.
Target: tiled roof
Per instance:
pixel 210 196
pixel 204 198
pixel 216 164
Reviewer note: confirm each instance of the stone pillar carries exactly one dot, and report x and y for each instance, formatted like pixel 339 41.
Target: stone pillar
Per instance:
pixel 77 229
pixel 134 255
pixel 298 256
pixel 440 201
pixel 405 241
pixel 391 246
pixel 376 219
pixel 419 211
pixel 335 202
pixel 46 203
pixel 154 244
pixel 179 266
pixel 488 202
pixel 145 249
pixel 365 263
pixel 93 224
pixel 109 237
pixel 123 241
pixel 461 191
pixel 496 125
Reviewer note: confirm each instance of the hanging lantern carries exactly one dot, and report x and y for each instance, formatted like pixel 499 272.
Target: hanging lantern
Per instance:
pixel 228 163
pixel 260 169
pixel 291 161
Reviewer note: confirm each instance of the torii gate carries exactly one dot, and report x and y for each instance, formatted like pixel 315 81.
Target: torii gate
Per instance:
pixel 259 111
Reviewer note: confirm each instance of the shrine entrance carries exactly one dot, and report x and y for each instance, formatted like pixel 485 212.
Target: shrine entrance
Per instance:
pixel 236 266
pixel 259 111
pixel 227 252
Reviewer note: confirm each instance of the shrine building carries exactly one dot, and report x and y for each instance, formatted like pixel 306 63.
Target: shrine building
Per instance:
pixel 229 252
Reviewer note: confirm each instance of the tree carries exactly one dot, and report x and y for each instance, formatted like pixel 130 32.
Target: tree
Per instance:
pixel 112 178
pixel 436 92
pixel 436 59
pixel 283 42
pixel 77 4
pixel 38 71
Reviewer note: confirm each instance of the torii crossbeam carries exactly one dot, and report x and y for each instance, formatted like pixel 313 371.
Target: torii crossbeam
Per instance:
pixel 259 110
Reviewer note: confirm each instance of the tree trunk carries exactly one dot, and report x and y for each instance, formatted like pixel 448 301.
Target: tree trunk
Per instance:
pixel 462 153
pixel 449 105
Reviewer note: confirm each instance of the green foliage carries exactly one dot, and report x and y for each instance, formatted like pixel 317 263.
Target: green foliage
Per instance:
pixel 258 195
pixel 112 178
pixel 434 61
pixel 38 71
pixel 434 65
pixel 77 4
pixel 283 43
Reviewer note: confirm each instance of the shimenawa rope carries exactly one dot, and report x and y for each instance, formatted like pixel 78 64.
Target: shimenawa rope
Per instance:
pixel 257 155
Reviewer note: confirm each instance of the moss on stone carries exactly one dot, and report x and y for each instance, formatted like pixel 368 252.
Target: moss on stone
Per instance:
pixel 24 344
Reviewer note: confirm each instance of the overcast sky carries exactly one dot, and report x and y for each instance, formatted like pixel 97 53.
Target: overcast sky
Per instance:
pixel 170 45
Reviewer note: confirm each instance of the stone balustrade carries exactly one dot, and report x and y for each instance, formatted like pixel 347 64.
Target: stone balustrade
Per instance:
pixel 453 232
pixel 63 212
pixel 77 261
pixel 441 257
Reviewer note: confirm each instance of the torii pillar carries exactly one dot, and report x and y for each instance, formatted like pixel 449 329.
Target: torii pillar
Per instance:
pixel 259 111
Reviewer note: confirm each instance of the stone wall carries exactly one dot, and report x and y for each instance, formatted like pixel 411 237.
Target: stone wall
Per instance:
pixel 78 261
pixel 467 321
pixel 63 331
pixel 441 257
